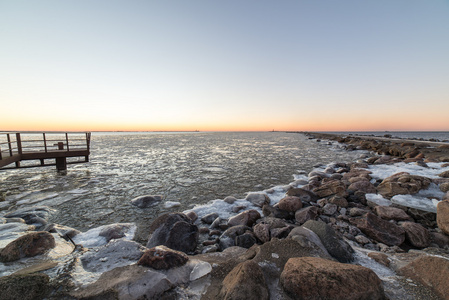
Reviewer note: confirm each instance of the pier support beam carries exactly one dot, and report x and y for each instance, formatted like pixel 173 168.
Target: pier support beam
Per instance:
pixel 61 162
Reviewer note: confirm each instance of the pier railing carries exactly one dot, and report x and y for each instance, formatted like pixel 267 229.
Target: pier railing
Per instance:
pixel 20 146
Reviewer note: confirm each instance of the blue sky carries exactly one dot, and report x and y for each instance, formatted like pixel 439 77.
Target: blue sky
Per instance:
pixel 224 65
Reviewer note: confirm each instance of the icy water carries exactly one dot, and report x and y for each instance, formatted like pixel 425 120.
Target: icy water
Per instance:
pixel 189 168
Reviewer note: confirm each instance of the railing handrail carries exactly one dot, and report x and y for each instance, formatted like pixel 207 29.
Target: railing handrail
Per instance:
pixel 21 143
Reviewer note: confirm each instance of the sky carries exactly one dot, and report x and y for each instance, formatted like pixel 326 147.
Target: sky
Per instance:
pixel 234 65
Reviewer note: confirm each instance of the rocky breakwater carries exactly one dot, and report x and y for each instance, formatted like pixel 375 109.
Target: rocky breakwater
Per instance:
pixel 338 233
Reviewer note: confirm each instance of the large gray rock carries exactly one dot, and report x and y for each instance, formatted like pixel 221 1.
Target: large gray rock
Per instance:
pixel 146 201
pixel 335 245
pixel 174 230
pixel 117 253
pixel 228 238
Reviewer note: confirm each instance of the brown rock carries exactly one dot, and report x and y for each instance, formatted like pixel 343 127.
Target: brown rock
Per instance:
pixel 245 281
pixel 262 232
pixel 416 234
pixel 381 258
pixel 258 199
pixel 330 188
pixel 379 229
pixel 430 271
pixel 443 216
pixel 247 218
pixel 444 187
pixel 317 278
pixel 338 200
pixel 440 239
pixel 290 203
pixel 362 186
pixel 305 214
pixel 163 258
pixel 445 174
pixel 401 184
pixel 304 195
pixel 29 245
pixel 391 213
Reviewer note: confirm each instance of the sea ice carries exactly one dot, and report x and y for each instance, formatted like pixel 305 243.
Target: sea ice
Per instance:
pixel 415 201
pixel 201 269
pixel 378 199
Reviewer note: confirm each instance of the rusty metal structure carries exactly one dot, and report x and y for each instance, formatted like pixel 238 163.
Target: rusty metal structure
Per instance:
pixel 17 147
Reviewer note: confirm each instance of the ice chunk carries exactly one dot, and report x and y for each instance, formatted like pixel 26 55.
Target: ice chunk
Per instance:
pixel 415 201
pixel 201 269
pixel 378 199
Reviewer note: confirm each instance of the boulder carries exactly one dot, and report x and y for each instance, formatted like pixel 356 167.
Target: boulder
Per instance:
pixel 127 283
pixel 363 186
pixel 444 174
pixel 24 287
pixel 227 239
pixel 391 213
pixel 245 281
pixel 338 200
pixel 443 216
pixel 290 203
pixel 247 218
pixel 317 278
pixel 307 238
pixel 258 199
pixel 430 271
pixel 305 214
pixel 245 240
pixel 163 258
pixel 146 201
pixel 402 184
pixel 416 234
pixel 444 187
pixel 330 188
pixel 329 209
pixel 209 218
pixel 379 229
pixel 262 232
pixel 115 231
pixel 304 195
pixel 174 230
pixel 336 246
pixel 381 258
pixel 29 245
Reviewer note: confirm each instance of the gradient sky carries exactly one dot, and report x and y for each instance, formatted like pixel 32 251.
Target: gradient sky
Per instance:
pixel 224 65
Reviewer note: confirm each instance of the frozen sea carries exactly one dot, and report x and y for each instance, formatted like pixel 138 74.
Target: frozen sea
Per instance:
pixel 185 168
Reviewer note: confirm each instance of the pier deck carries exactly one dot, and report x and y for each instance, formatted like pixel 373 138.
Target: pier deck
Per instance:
pixel 16 147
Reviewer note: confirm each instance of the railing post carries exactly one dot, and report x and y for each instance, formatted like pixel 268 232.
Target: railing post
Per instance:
pixel 19 148
pixel 67 141
pixel 45 142
pixel 9 144
pixel 19 143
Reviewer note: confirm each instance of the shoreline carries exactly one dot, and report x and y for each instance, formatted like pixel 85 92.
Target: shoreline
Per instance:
pixel 264 230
